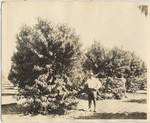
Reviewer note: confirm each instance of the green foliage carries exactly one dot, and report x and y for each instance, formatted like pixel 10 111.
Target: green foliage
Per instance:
pixel 136 83
pixel 113 88
pixel 144 9
pixel 44 45
pixel 95 59
pixel 117 61
pixel 46 98
pixel 47 55
pixel 137 66
pixel 114 62
pixel 136 77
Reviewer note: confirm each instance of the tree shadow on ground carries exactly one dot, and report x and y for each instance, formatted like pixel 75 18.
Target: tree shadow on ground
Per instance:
pixel 11 109
pixel 81 110
pixel 134 115
pixel 141 101
pixel 17 109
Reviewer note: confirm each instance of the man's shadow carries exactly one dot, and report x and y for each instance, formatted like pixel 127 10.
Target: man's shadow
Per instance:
pixel 82 110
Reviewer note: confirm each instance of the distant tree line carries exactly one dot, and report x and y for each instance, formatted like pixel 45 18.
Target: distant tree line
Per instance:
pixel 109 64
pixel 49 67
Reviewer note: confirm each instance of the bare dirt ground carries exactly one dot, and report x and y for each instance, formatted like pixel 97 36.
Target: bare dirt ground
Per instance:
pixel 133 107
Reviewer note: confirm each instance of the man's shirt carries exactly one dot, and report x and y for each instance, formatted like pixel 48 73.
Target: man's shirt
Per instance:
pixel 94 83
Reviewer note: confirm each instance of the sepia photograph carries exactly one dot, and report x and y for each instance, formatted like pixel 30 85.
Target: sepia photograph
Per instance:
pixel 75 61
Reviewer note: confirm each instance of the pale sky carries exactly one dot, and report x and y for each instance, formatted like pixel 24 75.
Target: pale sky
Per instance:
pixel 112 23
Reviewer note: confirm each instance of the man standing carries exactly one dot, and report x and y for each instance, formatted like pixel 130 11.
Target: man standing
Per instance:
pixel 91 89
pixel 124 85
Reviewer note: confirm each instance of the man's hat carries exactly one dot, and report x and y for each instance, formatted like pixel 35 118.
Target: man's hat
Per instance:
pixel 91 73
